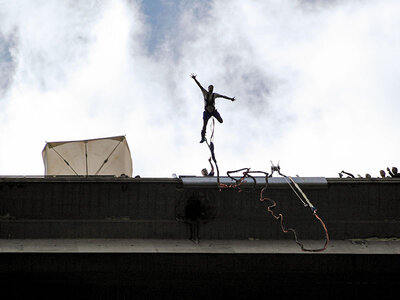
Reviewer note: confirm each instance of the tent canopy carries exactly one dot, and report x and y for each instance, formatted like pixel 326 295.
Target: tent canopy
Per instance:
pixel 103 156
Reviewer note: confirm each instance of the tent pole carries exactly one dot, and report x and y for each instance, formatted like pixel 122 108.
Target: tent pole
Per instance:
pixel 86 142
pixel 64 160
pixel 106 160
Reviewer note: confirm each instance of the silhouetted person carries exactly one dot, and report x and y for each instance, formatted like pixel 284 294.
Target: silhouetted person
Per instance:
pixel 394 172
pixel 204 172
pixel 382 173
pixel 194 213
pixel 368 176
pixel 209 106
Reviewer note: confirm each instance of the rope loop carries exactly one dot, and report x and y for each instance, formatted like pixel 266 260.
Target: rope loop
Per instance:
pixel 246 173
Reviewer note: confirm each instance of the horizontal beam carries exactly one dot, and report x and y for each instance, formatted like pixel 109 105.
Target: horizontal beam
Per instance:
pixel 276 182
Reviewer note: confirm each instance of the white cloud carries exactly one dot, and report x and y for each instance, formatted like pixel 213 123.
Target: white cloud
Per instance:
pixel 316 84
pixel 325 110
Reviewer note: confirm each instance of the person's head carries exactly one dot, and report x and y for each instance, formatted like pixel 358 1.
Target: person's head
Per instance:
pixel 210 88
pixel 204 172
pixel 383 174
pixel 394 170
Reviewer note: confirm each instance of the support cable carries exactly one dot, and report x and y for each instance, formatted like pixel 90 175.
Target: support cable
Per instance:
pixel 86 157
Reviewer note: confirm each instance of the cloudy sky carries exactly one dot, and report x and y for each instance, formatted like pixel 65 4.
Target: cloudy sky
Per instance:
pixel 316 82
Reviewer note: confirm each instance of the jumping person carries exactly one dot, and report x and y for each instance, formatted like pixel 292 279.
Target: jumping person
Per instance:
pixel 209 106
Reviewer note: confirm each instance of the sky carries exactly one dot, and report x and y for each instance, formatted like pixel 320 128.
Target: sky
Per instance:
pixel 316 82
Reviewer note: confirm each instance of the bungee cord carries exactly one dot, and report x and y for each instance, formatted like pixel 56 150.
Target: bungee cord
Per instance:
pixel 306 202
pixel 211 148
pixel 247 173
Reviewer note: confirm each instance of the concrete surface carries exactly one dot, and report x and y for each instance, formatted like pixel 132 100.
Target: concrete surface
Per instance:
pixel 354 246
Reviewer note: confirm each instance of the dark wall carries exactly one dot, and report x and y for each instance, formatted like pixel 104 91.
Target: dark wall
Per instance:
pixel 198 275
pixel 164 208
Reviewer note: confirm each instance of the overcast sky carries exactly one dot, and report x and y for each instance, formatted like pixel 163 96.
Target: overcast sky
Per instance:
pixel 316 82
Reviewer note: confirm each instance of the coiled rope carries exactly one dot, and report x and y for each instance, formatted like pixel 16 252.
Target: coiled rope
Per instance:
pixel 270 208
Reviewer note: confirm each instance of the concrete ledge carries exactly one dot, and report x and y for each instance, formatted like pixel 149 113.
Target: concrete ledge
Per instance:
pixel 174 269
pixel 353 246
pixel 259 181
pixel 188 178
pixel 229 229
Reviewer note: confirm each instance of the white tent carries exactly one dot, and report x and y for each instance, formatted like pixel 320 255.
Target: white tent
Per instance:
pixel 104 156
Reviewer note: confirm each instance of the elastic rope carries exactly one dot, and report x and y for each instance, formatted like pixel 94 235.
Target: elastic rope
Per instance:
pixel 238 182
pixel 212 130
pixel 298 196
pixel 302 193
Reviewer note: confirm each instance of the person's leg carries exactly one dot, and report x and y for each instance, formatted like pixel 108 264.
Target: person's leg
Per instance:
pixel 203 130
pixel 196 231
pixel 217 116
pixel 206 117
pixel 192 235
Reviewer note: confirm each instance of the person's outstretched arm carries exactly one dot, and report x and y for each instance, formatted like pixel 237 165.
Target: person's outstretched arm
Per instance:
pixel 225 97
pixel 197 82
pixel 390 172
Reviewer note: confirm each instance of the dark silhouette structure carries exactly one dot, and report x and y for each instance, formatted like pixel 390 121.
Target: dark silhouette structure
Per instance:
pixel 169 238
pixel 209 106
